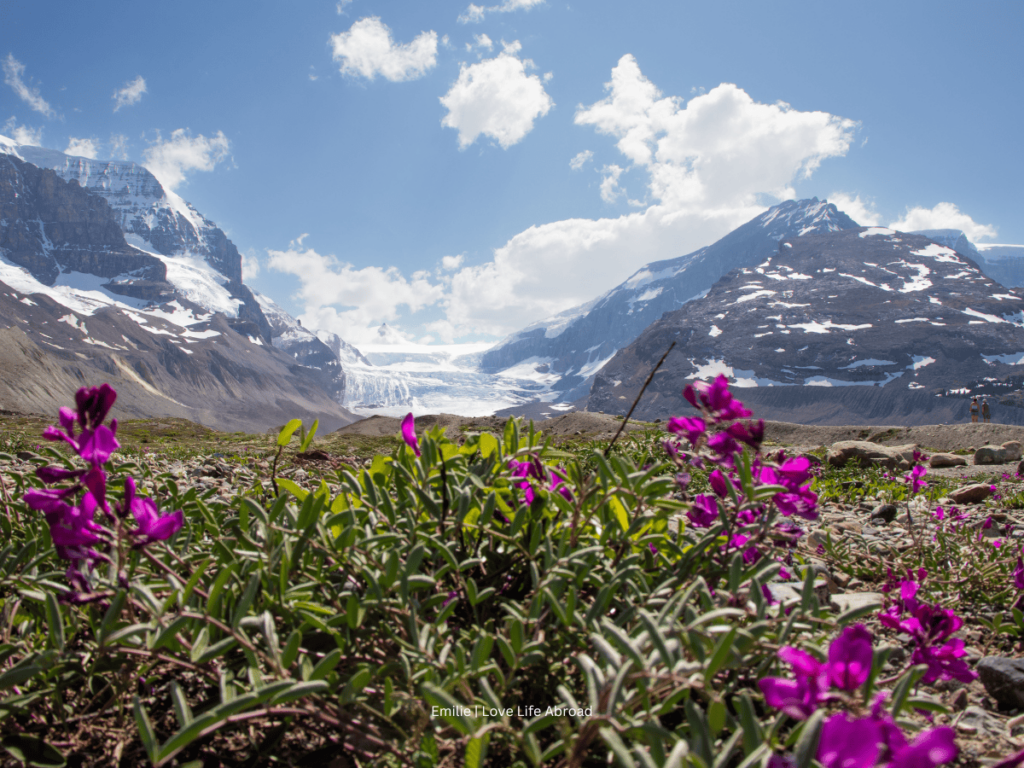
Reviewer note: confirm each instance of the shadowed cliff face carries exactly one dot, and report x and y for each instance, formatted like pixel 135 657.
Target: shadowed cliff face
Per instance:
pixel 850 317
pixel 51 226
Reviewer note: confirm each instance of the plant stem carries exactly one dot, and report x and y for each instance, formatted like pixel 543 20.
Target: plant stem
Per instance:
pixel 633 406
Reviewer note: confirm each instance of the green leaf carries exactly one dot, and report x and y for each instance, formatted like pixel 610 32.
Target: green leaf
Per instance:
pixel 614 742
pixel 55 621
pixel 326 664
pixel 33 751
pixel 308 439
pixel 293 488
pixel 18 675
pixel 618 510
pixel 476 752
pixel 807 745
pixel 445 707
pixel 488 445
pixel 146 733
pixel 291 650
pixel 181 707
pixel 902 689
pixel 285 435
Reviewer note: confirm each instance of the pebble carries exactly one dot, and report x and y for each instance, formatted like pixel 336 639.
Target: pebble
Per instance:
pixel 1003 679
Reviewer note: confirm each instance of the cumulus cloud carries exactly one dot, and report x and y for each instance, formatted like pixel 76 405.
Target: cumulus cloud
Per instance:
pixel 13 71
pixel 861 211
pixel 348 301
pixel 496 98
pixel 250 264
pixel 610 189
pixel 480 41
pixel 83 148
pixel 23 134
pixel 130 94
pixel 580 159
pixel 709 163
pixel 118 146
pixel 476 13
pixel 368 50
pixel 171 160
pixel 943 216
pixel 452 262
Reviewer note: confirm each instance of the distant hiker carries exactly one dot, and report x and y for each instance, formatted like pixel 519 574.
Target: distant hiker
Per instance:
pixel 974 410
pixel 986 414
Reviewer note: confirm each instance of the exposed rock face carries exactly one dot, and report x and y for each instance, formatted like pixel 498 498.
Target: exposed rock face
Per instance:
pixel 863 309
pixel 52 227
pixel 576 342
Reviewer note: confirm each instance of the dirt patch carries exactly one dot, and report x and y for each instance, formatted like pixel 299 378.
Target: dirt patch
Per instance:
pixel 592 426
pixel 934 437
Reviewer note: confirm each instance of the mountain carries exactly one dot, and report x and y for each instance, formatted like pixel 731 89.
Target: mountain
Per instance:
pixel 867 320
pixel 202 264
pixel 173 332
pixel 577 343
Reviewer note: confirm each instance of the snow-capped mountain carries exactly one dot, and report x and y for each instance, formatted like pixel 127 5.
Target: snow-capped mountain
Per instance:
pixel 577 343
pixel 78 303
pixel 855 309
pixel 201 263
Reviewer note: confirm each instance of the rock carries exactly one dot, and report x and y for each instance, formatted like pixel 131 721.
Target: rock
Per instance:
pixel 865 453
pixel 960 700
pixel 1003 679
pixel 970 494
pixel 1020 468
pixel 1007 453
pixel 884 513
pixel 977 720
pixel 946 460
pixel 787 592
pixel 842 603
pixel 26 455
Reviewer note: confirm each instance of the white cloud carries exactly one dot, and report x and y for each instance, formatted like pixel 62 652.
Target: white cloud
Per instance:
pixel 709 164
pixel 480 41
pixel 23 134
pixel 351 302
pixel 118 146
pixel 496 98
pixel 861 211
pixel 475 13
pixel 367 50
pixel 943 216
pixel 82 148
pixel 13 70
pixel 130 94
pixel 250 264
pixel 580 159
pixel 610 190
pixel 171 160
pixel 452 262
pixel 342 4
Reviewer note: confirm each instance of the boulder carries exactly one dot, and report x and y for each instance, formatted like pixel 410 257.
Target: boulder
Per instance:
pixel 1007 453
pixel 864 453
pixel 1003 679
pixel 884 513
pixel 946 460
pixel 971 494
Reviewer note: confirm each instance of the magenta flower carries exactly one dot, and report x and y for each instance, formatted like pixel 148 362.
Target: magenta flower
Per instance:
pixel 847 743
pixel 719 484
pixel 914 478
pixel 931 748
pixel 798 697
pixel 849 658
pixel 1018 574
pixel 152 526
pixel 716 398
pixel 693 428
pixel 409 434
pixel 703 512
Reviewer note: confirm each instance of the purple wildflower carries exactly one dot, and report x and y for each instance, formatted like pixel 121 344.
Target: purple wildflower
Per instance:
pixel 409 434
pixel 848 743
pixel 849 658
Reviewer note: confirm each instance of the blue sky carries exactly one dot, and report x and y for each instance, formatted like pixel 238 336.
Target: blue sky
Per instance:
pixel 373 168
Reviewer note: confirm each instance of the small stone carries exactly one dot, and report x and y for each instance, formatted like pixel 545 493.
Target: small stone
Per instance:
pixel 25 455
pixel 976 720
pixel 791 591
pixel 842 603
pixel 971 494
pixel 960 700
pixel 884 513
pixel 1003 679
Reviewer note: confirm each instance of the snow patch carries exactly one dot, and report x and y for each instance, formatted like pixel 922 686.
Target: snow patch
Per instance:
pixel 870 231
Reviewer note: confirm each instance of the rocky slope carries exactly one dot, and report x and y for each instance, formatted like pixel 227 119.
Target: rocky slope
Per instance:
pixel 856 326
pixel 578 342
